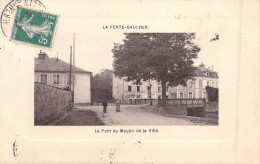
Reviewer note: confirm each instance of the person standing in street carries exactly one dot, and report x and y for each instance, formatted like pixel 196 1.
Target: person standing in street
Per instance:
pixel 118 106
pixel 104 103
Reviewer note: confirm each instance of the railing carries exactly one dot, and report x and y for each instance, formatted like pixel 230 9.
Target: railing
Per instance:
pixel 199 102
pixel 186 102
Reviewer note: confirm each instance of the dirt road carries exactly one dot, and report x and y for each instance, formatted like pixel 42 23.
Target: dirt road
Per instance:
pixel 133 115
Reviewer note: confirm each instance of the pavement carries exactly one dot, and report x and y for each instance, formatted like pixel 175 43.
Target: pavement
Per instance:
pixel 133 115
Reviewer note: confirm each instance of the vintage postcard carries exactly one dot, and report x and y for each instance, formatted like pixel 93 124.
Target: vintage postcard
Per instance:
pixel 129 81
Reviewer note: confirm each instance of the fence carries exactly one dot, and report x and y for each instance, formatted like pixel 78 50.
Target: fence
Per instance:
pixel 184 102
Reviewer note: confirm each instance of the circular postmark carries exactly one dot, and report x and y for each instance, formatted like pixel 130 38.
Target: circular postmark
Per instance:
pixel 9 11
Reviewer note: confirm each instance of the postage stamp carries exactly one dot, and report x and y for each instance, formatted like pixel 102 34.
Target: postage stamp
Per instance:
pixel 8 13
pixel 34 27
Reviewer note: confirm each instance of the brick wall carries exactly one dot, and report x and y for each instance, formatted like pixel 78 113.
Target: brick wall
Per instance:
pixel 50 103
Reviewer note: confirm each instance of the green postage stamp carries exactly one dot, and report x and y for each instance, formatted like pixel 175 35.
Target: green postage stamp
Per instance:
pixel 34 27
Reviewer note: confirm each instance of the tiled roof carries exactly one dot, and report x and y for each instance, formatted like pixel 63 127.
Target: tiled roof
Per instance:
pixel 54 65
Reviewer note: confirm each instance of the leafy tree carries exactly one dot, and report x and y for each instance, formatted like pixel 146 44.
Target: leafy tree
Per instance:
pixel 165 57
pixel 101 85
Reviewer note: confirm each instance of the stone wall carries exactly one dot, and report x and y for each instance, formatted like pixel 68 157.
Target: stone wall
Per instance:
pixel 50 103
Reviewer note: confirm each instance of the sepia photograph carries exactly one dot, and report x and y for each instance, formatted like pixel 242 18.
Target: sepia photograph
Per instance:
pixel 129 81
pixel 149 79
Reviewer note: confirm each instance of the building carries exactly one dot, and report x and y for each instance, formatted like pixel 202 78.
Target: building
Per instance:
pixel 55 72
pixel 196 87
pixel 124 90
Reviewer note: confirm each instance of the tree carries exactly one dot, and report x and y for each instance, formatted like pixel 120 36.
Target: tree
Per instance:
pixel 165 57
pixel 101 85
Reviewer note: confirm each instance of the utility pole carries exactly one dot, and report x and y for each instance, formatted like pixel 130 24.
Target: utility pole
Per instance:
pixel 150 92
pixel 73 81
pixel 70 65
pixel 123 98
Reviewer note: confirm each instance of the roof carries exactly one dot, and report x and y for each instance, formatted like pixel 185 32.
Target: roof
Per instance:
pixel 55 65
pixel 202 73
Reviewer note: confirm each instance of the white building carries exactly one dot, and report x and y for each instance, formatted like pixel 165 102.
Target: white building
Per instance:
pixel 195 88
pixel 55 72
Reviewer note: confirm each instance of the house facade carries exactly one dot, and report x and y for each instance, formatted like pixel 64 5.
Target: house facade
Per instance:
pixel 124 90
pixel 196 87
pixel 55 72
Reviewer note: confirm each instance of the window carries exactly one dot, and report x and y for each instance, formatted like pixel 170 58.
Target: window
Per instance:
pixel 159 89
pixel 181 95
pixel 148 88
pixel 207 74
pixel 174 95
pixel 159 97
pixel 44 79
pixel 56 79
pixel 138 88
pixel 207 83
pixel 190 84
pixel 203 95
pixel 138 96
pixel 212 84
pixel 129 88
pixel 190 95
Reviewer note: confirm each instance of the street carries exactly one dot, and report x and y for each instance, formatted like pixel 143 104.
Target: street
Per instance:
pixel 133 115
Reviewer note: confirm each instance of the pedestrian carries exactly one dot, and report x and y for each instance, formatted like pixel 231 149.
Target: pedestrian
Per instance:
pixel 118 106
pixel 104 103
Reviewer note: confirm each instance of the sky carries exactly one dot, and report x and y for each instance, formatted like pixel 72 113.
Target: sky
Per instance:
pixel 94 44
pixel 93 51
pixel 86 19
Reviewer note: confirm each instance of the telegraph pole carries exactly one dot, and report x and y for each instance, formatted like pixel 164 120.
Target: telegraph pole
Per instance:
pixel 73 81
pixel 70 65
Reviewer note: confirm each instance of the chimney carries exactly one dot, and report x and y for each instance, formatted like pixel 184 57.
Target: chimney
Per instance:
pixel 42 55
pixel 202 65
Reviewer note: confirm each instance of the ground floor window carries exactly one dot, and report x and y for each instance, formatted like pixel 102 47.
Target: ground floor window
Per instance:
pixel 56 79
pixel 204 95
pixel 44 79
pixel 190 95
pixel 181 95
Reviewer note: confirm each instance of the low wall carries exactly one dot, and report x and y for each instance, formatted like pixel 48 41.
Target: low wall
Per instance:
pixel 50 103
